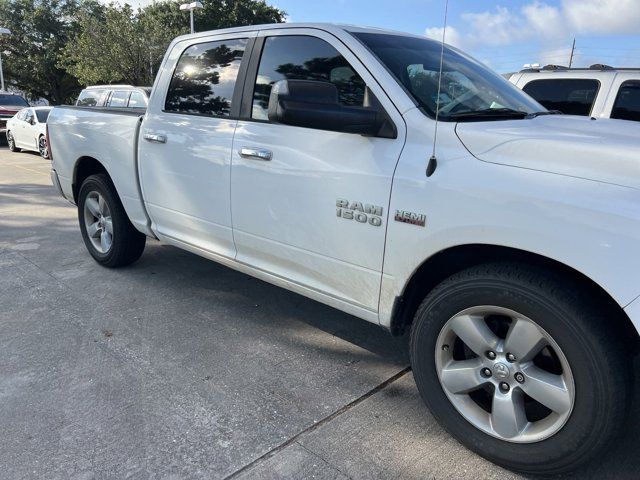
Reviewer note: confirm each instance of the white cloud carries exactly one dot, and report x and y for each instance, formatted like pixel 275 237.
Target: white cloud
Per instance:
pixel 453 37
pixel 540 21
pixel 603 16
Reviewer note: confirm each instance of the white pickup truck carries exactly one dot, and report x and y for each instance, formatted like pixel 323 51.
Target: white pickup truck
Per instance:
pixel 302 154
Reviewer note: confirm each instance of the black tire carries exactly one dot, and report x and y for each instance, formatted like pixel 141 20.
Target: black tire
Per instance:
pixel 127 243
pixel 11 142
pixel 601 365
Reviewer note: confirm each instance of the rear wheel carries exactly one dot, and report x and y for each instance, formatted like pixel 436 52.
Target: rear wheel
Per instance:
pixel 11 142
pixel 42 147
pixel 521 368
pixel 106 230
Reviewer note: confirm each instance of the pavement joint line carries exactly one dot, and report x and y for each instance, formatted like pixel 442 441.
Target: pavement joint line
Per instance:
pixel 274 451
pixel 57 280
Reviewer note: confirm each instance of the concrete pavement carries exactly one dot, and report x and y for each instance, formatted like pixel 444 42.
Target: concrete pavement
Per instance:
pixel 176 367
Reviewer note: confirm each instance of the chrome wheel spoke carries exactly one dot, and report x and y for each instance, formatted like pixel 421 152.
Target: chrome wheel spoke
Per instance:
pixel 108 225
pixel 101 204
pixel 474 332
pixel 93 206
pixel 93 230
pixel 508 417
pixel 524 340
pixel 105 241
pixel 548 389
pixel 462 376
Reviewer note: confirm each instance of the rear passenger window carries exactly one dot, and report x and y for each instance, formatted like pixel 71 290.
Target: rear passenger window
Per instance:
pixel 627 105
pixel 91 98
pixel 119 98
pixel 205 77
pixel 570 96
pixel 304 58
pixel 136 100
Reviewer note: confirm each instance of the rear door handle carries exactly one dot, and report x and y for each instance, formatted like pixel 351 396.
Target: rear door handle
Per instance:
pixel 256 153
pixel 155 138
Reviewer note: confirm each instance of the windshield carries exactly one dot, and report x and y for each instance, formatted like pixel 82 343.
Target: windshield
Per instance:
pixel 468 88
pixel 13 100
pixel 42 115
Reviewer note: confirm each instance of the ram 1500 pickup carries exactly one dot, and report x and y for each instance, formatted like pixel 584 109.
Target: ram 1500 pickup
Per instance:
pixel 302 154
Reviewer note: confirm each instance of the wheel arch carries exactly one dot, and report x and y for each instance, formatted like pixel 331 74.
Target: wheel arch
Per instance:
pixel 447 262
pixel 84 168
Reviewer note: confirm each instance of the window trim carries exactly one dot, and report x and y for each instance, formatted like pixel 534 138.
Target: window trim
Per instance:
pixel 595 97
pixel 615 101
pixel 236 97
pixel 108 102
pixel 144 98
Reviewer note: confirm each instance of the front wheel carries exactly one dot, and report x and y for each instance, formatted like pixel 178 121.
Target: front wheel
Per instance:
pixel 106 230
pixel 521 368
pixel 11 142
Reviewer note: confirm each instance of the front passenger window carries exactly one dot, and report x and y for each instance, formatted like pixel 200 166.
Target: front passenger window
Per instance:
pixel 300 57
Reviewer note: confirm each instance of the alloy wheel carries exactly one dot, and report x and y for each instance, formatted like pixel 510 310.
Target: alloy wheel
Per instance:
pixel 42 147
pixel 98 223
pixel 504 374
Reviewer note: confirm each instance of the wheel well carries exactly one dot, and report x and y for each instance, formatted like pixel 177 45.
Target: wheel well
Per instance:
pixel 85 167
pixel 450 261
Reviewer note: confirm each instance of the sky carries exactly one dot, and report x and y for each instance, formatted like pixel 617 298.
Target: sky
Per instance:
pixel 504 34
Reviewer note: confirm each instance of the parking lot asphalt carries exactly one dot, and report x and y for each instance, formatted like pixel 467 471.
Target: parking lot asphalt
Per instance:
pixel 177 367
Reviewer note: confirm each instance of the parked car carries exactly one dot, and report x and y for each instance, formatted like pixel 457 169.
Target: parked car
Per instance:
pixel 26 130
pixel 114 96
pixel 302 154
pixel 599 91
pixel 10 104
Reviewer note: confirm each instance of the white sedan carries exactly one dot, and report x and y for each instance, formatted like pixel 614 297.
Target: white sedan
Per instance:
pixel 26 130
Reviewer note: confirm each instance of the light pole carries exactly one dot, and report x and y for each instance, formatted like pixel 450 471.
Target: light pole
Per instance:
pixel 3 31
pixel 191 7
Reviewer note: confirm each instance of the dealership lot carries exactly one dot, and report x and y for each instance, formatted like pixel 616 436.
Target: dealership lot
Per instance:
pixel 177 367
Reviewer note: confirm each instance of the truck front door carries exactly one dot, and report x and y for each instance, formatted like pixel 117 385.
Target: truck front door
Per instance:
pixel 311 205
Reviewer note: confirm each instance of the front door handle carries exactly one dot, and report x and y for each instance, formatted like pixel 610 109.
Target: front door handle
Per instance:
pixel 155 138
pixel 256 153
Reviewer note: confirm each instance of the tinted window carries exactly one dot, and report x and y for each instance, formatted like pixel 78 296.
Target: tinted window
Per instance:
pixel 91 98
pixel 136 100
pixel 205 78
pixel 42 115
pixel 570 96
pixel 627 106
pixel 13 100
pixel 304 58
pixel 119 98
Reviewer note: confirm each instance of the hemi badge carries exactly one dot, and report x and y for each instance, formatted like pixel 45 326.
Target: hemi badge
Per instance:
pixel 409 217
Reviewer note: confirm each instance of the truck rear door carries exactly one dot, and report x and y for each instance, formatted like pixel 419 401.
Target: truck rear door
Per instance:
pixel 186 138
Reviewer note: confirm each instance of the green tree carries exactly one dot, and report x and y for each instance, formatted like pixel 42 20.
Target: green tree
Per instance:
pixel 127 46
pixel 40 30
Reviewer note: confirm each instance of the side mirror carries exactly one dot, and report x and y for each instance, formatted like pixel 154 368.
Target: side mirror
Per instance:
pixel 314 104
